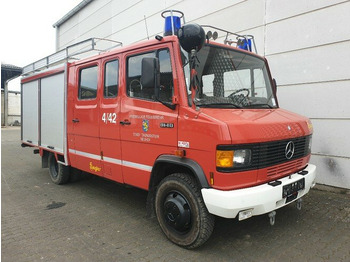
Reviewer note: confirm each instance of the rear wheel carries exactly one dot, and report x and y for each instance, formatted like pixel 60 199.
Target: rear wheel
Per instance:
pixel 59 173
pixel 181 211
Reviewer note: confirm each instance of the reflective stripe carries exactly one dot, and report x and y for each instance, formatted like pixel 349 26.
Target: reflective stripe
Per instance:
pixel 137 166
pixel 113 160
pixel 96 157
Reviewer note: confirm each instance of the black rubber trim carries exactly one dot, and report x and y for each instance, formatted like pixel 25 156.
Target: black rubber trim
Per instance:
pixel 275 183
pixel 303 172
pixel 188 163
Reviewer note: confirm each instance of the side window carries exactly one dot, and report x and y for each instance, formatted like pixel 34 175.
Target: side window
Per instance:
pixel 111 79
pixel 166 91
pixel 134 88
pixel 88 83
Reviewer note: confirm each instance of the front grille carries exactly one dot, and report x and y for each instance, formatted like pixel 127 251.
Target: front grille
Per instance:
pixel 284 169
pixel 270 153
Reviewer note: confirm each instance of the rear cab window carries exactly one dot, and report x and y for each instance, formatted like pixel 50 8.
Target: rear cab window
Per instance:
pixel 88 78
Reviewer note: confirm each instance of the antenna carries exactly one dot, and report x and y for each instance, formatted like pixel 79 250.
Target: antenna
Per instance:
pixel 146 26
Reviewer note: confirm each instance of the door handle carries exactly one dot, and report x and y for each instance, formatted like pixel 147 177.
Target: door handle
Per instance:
pixel 125 122
pixel 75 120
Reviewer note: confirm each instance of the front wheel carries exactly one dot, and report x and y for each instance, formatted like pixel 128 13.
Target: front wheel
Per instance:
pixel 181 211
pixel 59 173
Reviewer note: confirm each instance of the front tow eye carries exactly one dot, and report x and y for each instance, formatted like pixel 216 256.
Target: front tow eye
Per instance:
pixel 272 216
pixel 299 203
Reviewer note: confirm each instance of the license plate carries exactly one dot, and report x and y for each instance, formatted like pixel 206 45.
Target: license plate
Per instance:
pixel 290 191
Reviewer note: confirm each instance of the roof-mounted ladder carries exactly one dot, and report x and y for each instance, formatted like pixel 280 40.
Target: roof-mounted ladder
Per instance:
pixel 71 52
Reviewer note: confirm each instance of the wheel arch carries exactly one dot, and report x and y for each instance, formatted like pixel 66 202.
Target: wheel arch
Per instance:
pixel 166 165
pixel 176 164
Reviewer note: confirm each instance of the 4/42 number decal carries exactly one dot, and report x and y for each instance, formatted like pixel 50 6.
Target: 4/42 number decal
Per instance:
pixel 109 118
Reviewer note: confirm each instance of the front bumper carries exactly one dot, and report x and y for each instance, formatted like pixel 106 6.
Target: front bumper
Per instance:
pixel 261 199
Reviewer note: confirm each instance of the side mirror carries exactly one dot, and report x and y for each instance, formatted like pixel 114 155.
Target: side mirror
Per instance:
pixel 150 74
pixel 274 85
pixel 150 79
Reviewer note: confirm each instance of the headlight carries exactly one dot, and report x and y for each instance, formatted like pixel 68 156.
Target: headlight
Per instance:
pixel 242 157
pixel 233 158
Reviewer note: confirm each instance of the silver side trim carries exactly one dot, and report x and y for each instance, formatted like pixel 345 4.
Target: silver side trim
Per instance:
pixel 113 160
pixel 93 156
pixel 137 166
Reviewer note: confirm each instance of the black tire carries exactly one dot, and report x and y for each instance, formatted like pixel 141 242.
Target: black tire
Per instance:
pixel 59 173
pixel 181 212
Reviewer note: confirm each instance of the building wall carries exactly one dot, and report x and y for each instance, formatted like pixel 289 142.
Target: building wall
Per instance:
pixel 14 108
pixel 307 44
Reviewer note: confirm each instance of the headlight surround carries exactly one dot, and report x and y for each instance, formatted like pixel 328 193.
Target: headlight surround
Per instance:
pixel 310 144
pixel 233 158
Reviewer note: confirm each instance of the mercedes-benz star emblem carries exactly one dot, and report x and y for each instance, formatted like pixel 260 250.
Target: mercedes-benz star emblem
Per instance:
pixel 289 150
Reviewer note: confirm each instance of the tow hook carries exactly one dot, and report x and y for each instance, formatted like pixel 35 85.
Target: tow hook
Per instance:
pixel 272 216
pixel 299 203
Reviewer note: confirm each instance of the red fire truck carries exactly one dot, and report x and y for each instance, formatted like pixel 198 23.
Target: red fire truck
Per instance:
pixel 194 122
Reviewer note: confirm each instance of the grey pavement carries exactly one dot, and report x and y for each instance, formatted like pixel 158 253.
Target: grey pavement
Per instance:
pixel 98 220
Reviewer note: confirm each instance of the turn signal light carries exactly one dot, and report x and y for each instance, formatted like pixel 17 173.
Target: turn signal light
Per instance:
pixel 224 158
pixel 180 153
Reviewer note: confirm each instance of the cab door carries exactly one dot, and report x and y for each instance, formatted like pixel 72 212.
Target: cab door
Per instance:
pixel 109 116
pixel 148 129
pixel 84 148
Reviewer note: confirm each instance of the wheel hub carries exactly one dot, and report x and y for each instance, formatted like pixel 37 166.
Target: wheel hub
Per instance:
pixel 177 212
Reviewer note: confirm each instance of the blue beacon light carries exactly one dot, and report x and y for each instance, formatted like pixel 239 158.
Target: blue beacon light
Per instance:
pixel 172 22
pixel 245 43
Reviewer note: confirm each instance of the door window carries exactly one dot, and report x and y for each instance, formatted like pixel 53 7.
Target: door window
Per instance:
pixel 134 87
pixel 110 89
pixel 88 83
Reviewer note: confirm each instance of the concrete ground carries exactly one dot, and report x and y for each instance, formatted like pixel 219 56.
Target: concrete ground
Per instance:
pixel 98 220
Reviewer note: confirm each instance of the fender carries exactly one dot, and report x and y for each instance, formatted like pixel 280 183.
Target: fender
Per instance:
pixel 183 162
pixel 175 161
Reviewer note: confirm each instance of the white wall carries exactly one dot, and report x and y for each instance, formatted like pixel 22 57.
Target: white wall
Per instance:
pixel 307 44
pixel 308 48
pixel 14 109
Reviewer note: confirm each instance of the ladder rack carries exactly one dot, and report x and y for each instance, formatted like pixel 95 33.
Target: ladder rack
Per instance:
pixel 71 52
pixel 239 41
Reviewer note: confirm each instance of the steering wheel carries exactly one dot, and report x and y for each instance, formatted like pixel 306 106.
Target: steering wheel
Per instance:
pixel 135 84
pixel 238 91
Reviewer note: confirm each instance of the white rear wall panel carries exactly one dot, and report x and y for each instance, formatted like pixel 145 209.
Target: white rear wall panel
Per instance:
pixel 30 116
pixel 52 112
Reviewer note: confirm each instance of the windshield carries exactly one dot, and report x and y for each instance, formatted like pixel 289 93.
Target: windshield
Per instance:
pixel 231 79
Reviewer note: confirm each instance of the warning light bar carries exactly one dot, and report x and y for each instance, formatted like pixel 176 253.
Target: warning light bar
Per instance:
pixel 245 42
pixel 172 22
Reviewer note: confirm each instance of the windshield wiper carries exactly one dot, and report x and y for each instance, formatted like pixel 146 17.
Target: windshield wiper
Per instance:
pixel 223 105
pixel 260 106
